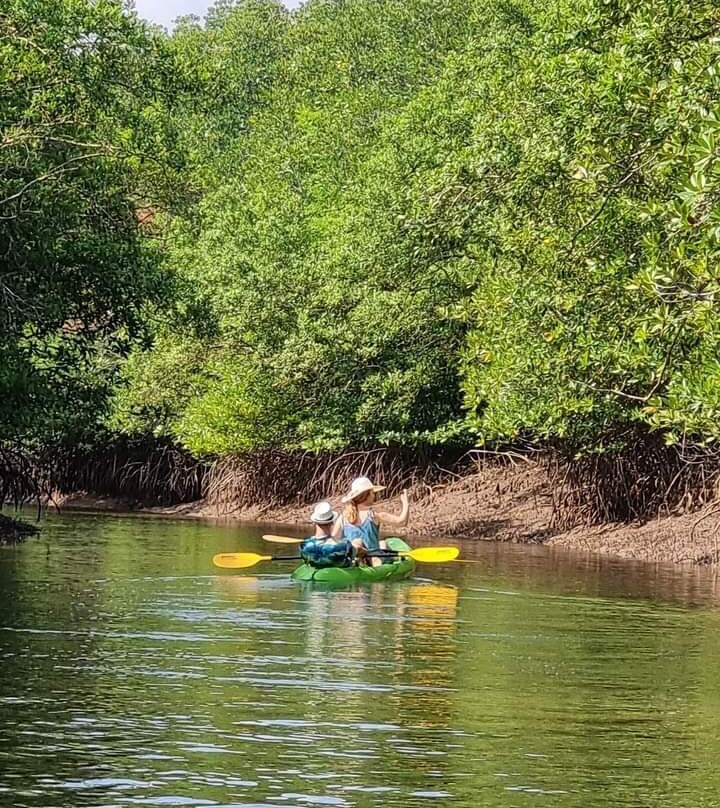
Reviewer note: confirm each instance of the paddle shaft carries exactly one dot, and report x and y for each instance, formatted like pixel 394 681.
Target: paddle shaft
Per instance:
pixel 285 558
pixel 373 554
pixel 436 555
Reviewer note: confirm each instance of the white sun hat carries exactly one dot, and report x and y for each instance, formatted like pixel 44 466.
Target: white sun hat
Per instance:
pixel 360 486
pixel 323 514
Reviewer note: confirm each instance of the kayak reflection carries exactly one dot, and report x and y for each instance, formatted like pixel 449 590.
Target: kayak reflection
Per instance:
pixel 391 642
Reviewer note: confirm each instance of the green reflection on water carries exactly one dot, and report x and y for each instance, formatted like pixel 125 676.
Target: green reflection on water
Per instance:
pixel 133 674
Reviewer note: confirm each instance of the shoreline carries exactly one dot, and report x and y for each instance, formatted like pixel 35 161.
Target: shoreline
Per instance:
pixel 503 503
pixel 14 530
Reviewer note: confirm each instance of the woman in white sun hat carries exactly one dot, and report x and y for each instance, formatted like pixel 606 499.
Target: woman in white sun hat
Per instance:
pixel 321 549
pixel 360 524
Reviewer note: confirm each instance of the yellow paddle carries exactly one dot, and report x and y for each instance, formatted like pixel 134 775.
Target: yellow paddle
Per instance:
pixel 428 555
pixel 282 539
pixel 240 560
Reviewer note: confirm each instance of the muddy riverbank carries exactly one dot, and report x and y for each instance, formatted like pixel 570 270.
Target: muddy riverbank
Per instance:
pixel 501 503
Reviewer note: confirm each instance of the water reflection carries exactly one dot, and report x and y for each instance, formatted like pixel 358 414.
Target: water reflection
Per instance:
pixel 134 674
pixel 243 588
pixel 554 570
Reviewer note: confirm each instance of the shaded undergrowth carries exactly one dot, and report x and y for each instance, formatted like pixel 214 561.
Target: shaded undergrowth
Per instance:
pixel 275 477
pixel 643 480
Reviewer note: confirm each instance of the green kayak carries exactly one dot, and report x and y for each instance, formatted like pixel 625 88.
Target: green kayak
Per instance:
pixel 343 576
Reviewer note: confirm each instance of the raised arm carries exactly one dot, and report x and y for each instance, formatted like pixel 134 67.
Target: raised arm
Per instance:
pixel 399 519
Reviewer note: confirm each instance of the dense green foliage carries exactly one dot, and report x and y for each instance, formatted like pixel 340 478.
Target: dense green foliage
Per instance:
pixel 405 221
pixel 85 143
pixel 322 320
pixel 597 305
pixel 424 220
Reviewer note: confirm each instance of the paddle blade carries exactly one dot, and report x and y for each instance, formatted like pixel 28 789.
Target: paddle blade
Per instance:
pixel 238 560
pixel 433 555
pixel 283 539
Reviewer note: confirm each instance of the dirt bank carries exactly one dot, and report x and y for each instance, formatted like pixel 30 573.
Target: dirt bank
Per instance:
pixel 502 503
pixel 691 538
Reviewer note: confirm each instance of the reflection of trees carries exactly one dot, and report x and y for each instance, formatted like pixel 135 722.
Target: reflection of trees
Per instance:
pixel 51 653
pixel 530 674
pixel 547 569
pixel 571 685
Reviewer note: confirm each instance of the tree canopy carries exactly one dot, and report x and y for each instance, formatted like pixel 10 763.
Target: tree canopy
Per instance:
pixel 374 222
pixel 86 151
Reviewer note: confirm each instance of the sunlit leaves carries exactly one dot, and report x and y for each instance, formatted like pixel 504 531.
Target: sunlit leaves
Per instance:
pixel 407 207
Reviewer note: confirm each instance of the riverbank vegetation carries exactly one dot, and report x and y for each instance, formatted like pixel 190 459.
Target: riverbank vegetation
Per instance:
pixel 408 225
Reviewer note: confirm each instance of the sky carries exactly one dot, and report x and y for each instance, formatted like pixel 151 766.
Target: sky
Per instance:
pixel 164 12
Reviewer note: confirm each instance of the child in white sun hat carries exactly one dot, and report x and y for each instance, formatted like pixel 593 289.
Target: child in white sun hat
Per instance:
pixel 360 524
pixel 321 549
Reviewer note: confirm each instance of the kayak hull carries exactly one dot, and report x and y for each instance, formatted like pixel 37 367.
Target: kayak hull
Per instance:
pixel 346 576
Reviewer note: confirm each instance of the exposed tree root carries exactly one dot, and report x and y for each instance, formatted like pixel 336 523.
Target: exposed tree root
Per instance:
pixel 275 477
pixel 142 472
pixel 644 480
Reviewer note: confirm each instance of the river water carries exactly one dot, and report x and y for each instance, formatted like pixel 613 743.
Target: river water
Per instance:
pixel 134 674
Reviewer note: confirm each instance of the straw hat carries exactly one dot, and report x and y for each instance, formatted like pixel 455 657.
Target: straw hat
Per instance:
pixel 360 486
pixel 323 514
